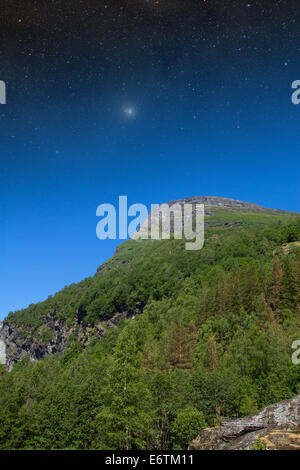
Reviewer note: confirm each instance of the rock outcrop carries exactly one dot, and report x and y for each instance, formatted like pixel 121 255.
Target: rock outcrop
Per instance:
pixel 211 202
pixel 2 347
pixel 276 427
pixel 52 337
pixel 156 222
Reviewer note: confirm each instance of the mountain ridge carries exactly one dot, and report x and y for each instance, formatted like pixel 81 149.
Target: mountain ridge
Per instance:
pixel 224 202
pixel 193 337
pixel 220 214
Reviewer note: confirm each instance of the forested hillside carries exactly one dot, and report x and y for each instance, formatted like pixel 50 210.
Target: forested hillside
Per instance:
pixel 208 335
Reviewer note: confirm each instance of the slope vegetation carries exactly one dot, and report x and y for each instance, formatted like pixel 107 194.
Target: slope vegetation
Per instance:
pixel 161 342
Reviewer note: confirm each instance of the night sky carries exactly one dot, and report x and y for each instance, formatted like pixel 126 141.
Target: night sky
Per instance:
pixel 157 100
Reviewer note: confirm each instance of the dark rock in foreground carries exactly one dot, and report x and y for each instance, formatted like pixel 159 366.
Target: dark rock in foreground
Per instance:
pixel 277 427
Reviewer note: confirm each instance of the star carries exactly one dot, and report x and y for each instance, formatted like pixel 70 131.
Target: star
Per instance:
pixel 129 111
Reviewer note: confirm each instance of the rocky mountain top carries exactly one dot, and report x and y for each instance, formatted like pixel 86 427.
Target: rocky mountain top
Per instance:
pixel 276 427
pixel 225 203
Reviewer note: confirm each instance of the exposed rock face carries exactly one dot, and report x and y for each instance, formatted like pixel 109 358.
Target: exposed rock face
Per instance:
pixel 122 316
pixel 211 202
pixel 277 426
pixel 52 337
pixel 158 223
pixel 2 347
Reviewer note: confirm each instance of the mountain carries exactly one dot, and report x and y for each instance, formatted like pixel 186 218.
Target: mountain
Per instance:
pixel 193 336
pixel 127 281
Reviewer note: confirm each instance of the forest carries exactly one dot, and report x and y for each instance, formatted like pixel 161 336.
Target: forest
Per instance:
pixel 212 339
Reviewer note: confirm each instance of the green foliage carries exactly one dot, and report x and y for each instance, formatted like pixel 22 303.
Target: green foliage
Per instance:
pixel 186 426
pixel 46 334
pixel 258 444
pixel 71 353
pixel 214 341
pixel 125 418
pixel 248 405
pixel 146 269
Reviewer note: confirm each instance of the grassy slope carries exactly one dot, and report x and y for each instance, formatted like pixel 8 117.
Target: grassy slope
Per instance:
pixel 155 269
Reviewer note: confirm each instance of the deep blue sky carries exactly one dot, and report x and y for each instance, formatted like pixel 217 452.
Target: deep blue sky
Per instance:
pixel 210 87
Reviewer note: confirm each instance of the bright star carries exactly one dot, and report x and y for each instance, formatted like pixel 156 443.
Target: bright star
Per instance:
pixel 130 111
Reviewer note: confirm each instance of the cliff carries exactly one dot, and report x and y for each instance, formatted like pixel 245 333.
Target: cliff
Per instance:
pixel 2 346
pixel 53 337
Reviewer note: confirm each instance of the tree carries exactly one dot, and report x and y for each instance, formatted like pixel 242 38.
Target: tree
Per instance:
pixel 275 286
pixel 160 386
pixel 291 288
pixel 264 311
pixel 180 346
pixel 210 360
pixel 125 419
pixel 150 356
pixel 216 392
pixel 248 405
pixel 186 427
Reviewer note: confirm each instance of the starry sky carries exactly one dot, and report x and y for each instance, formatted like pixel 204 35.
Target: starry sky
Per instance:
pixel 153 99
